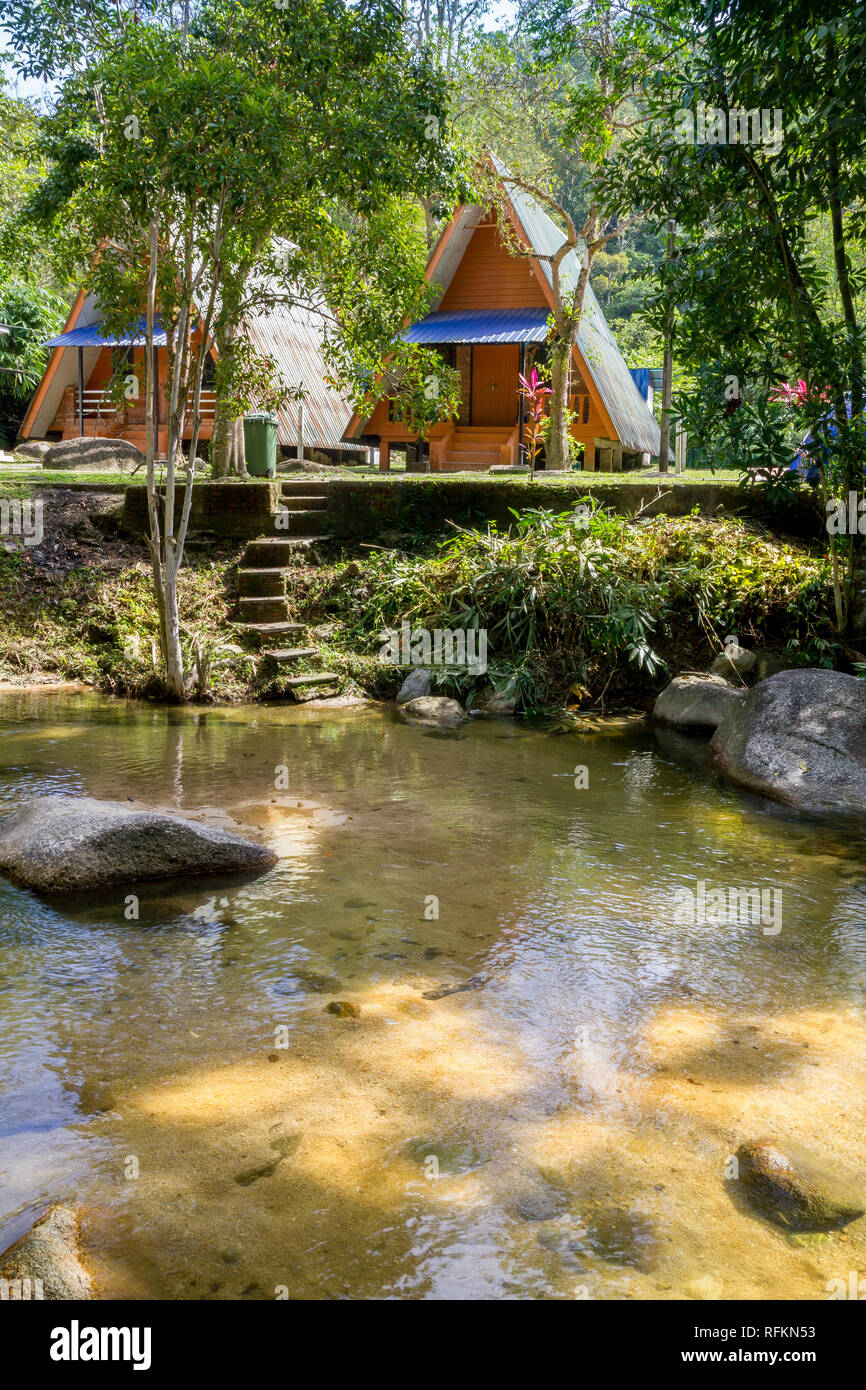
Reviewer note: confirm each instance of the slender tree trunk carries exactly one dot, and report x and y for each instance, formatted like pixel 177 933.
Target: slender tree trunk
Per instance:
pixel 223 440
pixel 151 425
pixel 557 452
pixel 667 366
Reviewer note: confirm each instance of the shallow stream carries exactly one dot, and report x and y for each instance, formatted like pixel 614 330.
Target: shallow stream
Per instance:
pixel 560 1129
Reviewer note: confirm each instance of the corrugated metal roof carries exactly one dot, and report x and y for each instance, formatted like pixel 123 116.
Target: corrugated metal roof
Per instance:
pixel 92 335
pixel 481 326
pixel 632 419
pixel 293 337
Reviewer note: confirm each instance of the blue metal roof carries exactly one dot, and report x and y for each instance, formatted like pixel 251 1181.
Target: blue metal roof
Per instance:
pixel 481 326
pixel 93 336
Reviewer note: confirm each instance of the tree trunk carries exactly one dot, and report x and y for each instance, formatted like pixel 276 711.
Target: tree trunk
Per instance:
pixel 557 453
pixel 222 442
pixel 239 456
pixel 173 655
pixel 667 368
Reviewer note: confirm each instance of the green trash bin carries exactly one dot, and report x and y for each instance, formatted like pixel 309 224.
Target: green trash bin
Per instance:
pixel 260 445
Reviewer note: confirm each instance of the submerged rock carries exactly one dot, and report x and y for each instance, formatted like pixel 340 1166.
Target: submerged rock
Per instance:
pixel 433 711
pixel 450 1156
pixel 343 1008
pixel 416 685
pixel 800 738
pixel 696 702
pixel 623 1237
pixel 61 844
pixel 48 1253
pixel 795 1190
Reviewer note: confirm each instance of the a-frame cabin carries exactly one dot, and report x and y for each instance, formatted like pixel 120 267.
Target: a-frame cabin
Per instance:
pixel 491 319
pixel 72 400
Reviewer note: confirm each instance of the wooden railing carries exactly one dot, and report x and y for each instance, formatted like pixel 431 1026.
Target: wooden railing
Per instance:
pixel 96 405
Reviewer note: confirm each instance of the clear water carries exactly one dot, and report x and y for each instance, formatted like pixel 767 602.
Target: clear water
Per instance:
pixel 559 1131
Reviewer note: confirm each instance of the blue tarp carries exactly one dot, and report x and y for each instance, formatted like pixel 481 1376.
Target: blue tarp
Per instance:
pixel 93 336
pixel 481 326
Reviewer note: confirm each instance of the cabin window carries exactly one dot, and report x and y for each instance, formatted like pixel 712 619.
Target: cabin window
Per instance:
pixel 586 410
pixel 208 378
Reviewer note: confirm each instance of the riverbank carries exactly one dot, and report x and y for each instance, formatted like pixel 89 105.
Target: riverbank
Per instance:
pixel 597 615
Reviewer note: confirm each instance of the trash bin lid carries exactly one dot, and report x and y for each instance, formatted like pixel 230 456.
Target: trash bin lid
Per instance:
pixel 263 415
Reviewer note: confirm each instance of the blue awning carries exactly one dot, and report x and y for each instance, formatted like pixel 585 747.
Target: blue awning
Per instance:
pixel 93 336
pixel 481 326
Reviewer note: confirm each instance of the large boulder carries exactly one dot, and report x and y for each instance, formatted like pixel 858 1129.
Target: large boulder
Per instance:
pixel 96 455
pixel 416 685
pixel 696 702
pixel 800 738
pixel 61 844
pixel 433 711
pixel 795 1190
pixel 48 1253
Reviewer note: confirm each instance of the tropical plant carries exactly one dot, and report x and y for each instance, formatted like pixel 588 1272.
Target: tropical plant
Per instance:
pixel 534 394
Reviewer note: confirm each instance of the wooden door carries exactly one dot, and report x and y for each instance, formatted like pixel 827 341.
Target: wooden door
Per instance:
pixel 494 383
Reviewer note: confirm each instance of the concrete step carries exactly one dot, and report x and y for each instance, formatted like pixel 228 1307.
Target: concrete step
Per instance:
pixel 272 552
pixel 268 631
pixel 472 455
pixel 301 521
pixel 257 609
pixel 262 583
pixel 286 656
pixel 303 501
pixel 320 678
pixel 305 487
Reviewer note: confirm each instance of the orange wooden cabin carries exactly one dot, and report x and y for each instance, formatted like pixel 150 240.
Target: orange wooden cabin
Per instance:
pixel 71 400
pixel 491 320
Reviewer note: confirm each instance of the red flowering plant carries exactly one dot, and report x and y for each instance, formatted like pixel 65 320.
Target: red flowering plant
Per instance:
pixel 786 394
pixel 534 394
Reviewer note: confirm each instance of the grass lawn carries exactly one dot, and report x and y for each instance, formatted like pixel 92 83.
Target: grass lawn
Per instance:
pixel 24 477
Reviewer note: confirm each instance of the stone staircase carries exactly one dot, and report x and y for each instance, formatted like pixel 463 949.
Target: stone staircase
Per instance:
pixel 262 605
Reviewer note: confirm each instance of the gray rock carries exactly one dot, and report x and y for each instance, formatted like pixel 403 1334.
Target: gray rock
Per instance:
pixel 32 448
pixel 768 664
pixel 800 738
pixel 97 455
pixel 734 665
pixel 416 684
pixel 494 702
pixel 696 702
pixel 433 712
pixel 60 844
pixel 794 1190
pixel 49 1253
